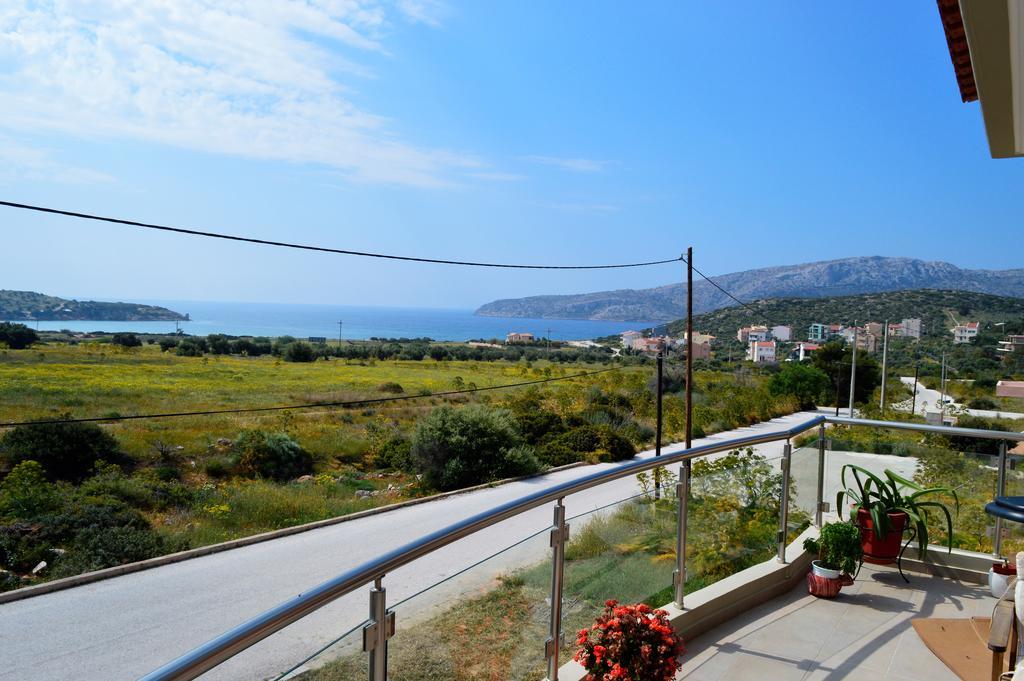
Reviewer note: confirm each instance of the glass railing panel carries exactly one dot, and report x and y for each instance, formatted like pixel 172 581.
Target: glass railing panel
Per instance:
pixel 734 510
pixel 489 621
pixel 1013 533
pixel 967 465
pixel 623 551
pixel 803 489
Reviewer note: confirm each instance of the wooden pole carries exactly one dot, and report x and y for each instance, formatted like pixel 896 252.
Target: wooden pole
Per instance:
pixel 689 347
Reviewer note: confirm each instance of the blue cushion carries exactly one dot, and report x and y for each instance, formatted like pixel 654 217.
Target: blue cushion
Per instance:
pixel 1009 508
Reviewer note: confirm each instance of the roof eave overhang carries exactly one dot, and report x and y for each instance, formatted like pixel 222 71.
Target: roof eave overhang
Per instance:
pixel 995 35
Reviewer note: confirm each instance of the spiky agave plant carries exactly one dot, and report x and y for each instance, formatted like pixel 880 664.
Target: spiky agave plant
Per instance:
pixel 894 494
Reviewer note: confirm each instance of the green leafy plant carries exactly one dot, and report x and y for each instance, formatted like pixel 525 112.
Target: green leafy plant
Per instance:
pixel 837 547
pixel 896 494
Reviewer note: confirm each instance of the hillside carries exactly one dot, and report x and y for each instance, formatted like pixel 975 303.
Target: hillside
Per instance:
pixel 848 276
pixel 27 305
pixel 932 307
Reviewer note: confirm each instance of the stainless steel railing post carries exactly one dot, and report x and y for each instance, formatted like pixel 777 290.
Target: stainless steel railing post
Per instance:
pixel 787 455
pixel 559 537
pixel 819 507
pixel 682 501
pixel 378 631
pixel 997 540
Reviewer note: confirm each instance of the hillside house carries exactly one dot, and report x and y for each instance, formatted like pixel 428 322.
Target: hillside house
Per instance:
pixel 910 328
pixel 761 352
pixel 782 333
pixel 1010 389
pixel 1011 343
pixel 965 333
pixel 630 337
pixel 803 351
pixel 519 338
pixel 817 332
pixel 749 334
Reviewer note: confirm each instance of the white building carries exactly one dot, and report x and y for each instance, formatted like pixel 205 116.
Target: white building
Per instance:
pixel 630 337
pixel 782 333
pixel 761 352
pixel 965 333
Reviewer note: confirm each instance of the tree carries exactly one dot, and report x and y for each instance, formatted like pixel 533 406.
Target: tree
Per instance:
pixel 835 360
pixel 455 448
pixel 17 336
pixel 805 382
pixel 126 340
pixel 66 450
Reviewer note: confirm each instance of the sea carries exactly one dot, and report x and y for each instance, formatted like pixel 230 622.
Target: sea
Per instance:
pixel 357 323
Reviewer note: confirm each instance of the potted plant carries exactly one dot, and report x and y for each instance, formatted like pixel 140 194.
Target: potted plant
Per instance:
pixel 838 550
pixel 885 508
pixel 630 642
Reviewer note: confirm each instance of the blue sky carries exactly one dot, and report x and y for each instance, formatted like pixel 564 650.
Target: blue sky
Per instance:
pixel 532 131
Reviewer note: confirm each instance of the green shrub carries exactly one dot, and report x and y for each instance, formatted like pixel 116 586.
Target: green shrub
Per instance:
pixel 577 443
pixel 126 340
pixel 191 347
pixel 66 450
pixel 26 493
pixel 17 336
pixel 391 387
pixel 455 448
pixel 270 455
pixel 168 344
pixel 299 352
pixel 982 403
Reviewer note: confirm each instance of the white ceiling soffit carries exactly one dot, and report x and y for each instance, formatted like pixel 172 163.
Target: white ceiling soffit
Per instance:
pixel 1016 16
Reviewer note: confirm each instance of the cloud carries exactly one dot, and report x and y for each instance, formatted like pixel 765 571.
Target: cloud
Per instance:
pixel 578 165
pixel 498 176
pixel 260 79
pixel 21 162
pixel 429 12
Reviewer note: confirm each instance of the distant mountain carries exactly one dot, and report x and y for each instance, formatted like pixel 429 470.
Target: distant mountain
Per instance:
pixel 848 276
pixel 27 305
pixel 935 309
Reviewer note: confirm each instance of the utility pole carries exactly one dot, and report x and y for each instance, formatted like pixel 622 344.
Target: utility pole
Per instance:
pixel 853 367
pixel 885 357
pixel 689 349
pixel 942 392
pixel 913 400
pixel 657 436
pixel 339 333
pixel 549 342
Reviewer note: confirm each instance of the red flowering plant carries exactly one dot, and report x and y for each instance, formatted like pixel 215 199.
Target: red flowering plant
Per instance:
pixel 630 643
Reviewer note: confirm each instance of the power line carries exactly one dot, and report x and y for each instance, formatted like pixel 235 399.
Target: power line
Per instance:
pixel 322 249
pixel 316 405
pixel 715 284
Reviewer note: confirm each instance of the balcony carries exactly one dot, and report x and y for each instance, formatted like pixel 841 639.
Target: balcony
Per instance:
pixel 715 538
pixel 864 634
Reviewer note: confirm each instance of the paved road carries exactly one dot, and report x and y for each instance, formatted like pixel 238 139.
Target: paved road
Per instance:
pixel 126 626
pixel 926 397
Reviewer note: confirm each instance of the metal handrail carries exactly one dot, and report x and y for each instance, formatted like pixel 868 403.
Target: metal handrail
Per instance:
pixel 928 428
pixel 216 651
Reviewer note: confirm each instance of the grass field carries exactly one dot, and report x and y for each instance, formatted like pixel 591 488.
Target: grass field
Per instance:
pixel 171 472
pixel 90 380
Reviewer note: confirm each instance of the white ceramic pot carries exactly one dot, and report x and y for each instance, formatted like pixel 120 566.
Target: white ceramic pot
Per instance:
pixel 999 585
pixel 824 572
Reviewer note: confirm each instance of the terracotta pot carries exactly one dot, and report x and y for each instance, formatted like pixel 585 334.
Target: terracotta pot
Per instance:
pixel 825 587
pixel 881 550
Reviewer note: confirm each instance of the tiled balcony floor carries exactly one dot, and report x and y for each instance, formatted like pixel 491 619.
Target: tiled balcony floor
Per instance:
pixel 864 634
